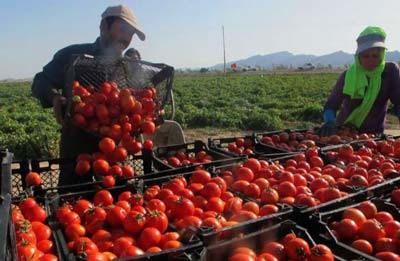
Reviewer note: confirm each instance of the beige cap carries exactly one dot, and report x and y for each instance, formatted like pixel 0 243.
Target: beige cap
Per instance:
pixel 127 15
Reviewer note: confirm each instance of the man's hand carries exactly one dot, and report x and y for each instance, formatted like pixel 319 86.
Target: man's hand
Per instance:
pixel 327 129
pixel 59 103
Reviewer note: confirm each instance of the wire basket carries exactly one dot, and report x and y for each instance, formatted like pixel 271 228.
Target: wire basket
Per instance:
pixel 125 72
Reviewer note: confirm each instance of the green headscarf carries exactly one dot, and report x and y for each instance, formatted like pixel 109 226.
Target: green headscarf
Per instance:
pixel 362 84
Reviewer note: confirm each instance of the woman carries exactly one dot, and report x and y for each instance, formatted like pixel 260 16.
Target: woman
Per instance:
pixel 362 92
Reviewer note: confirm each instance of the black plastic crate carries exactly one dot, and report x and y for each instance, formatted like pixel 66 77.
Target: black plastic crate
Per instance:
pixel 335 215
pixel 210 236
pixel 11 237
pixel 161 154
pixel 4 226
pixel 221 144
pixel 255 241
pixel 126 72
pixel 49 170
pixel 54 200
pixel 5 173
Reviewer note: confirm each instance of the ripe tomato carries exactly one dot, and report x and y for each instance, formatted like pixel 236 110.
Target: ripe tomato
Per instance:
pixel 156 204
pixel 48 257
pixel 46 246
pixel 115 216
pixel 132 251
pixel 26 251
pixel 212 222
pixel 385 244
pixel 33 179
pixel 297 249
pixel 347 229
pixel 134 222
pixel 148 127
pixel 210 190
pixel 368 209
pixel 101 167
pixel 252 207
pixel 103 198
pixel 182 207
pixel 41 231
pixel 321 253
pixel 253 164
pixel 128 171
pixel 269 196
pixel 168 237
pixel 215 204
pixel 287 189
pixel 200 176
pixel 108 181
pixel 122 244
pixel 233 205
pixel 82 167
pixel 74 231
pixel 189 221
pixel 85 245
pixel 148 145
pixel 157 219
pixel 252 190
pixel 363 246
pixel 172 244
pixel 242 216
pixel 243 173
pixel 355 215
pixel 371 230
pixel 268 210
pixel 387 256
pixel 149 237
pixel 383 217
pixel 391 228
pixel 37 213
pixel 275 249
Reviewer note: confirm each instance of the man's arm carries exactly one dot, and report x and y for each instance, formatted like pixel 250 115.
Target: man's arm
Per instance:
pixel 47 84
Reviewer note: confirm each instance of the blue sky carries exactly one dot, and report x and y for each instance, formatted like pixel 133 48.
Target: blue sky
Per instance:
pixel 187 33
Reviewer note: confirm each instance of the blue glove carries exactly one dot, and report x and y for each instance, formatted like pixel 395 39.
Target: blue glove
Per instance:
pixel 329 126
pixel 329 115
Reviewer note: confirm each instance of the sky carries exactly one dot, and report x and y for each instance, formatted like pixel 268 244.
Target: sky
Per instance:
pixel 187 33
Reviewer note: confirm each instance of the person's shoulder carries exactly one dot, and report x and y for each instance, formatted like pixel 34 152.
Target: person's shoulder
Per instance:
pixel 391 67
pixel 84 48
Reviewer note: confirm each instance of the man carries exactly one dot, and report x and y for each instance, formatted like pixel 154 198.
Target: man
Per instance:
pixel 117 27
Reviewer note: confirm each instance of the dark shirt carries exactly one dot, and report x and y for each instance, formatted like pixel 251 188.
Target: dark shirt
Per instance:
pixel 51 80
pixel 375 120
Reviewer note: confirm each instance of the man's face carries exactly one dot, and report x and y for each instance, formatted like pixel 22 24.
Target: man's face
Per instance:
pixel 371 58
pixel 118 36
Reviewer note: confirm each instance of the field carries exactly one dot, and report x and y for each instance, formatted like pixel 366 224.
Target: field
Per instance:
pixel 213 103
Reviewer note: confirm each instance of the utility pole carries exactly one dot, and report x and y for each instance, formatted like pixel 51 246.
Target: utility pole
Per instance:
pixel 223 43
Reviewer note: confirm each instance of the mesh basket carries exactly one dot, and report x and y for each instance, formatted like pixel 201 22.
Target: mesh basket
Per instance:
pixel 126 72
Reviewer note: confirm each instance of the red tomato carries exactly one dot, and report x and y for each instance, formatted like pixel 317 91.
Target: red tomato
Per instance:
pixel 215 204
pixel 355 215
pixel 297 249
pixel 321 253
pixel 149 237
pixel 371 230
pixel 116 216
pixel 363 246
pixel 134 222
pixel 368 209
pixel 243 173
pixel 103 198
pixel 157 219
pixel 182 207
pixel 347 229
pixel 33 179
pixel 275 249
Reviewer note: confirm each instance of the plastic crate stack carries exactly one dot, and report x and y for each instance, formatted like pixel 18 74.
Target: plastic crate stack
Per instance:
pixel 181 172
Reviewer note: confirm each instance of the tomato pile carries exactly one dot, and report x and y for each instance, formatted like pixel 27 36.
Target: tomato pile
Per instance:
pixel 118 116
pixel 109 163
pixel 369 230
pixel 290 247
pixel 183 159
pixel 242 146
pixel 33 236
pixel 113 112
pixel 295 141
pixel 303 181
pixel 120 227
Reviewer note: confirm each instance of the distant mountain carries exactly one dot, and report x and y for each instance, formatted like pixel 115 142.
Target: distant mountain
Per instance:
pixel 268 61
